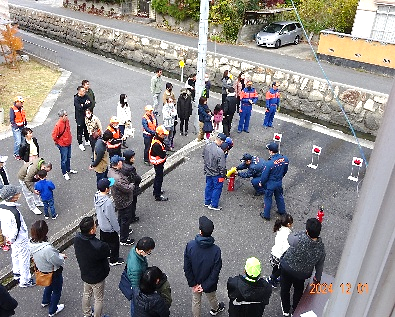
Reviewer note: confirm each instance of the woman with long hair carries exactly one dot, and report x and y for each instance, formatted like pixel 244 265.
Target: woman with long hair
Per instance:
pixel 47 260
pixel 124 116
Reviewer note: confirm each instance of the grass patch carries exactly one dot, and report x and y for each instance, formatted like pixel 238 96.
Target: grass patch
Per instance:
pixel 33 83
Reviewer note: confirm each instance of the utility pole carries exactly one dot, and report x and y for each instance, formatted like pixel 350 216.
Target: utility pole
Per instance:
pixel 202 52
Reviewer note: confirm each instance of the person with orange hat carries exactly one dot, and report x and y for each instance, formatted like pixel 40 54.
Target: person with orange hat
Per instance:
pixel 149 123
pixel 157 157
pixel 18 122
pixel 114 145
pixel 248 97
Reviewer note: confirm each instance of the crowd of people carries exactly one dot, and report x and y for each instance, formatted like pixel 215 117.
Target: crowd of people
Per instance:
pixel 294 256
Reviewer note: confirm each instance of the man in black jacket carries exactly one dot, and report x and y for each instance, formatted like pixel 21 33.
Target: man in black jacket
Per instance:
pixel 91 254
pixel 230 107
pixel 7 303
pixel 81 103
pixel 202 264
pixel 248 293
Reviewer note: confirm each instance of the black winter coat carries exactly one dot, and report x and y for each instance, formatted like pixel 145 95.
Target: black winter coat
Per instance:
pixel 184 106
pixel 202 263
pixel 230 105
pixel 247 299
pixel 7 303
pixel 80 105
pixel 150 305
pixel 24 149
pixel 91 254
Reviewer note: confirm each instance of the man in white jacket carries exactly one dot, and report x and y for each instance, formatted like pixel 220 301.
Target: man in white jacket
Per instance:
pixel 14 229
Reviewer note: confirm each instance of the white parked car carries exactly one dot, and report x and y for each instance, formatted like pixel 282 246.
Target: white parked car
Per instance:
pixel 279 33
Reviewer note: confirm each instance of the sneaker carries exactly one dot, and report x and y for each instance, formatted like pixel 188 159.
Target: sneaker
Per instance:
pixel 214 208
pixel 127 242
pixel 72 172
pixel 161 198
pixel 221 308
pixel 28 284
pixel 186 133
pixel 40 205
pixel 46 217
pixel 17 276
pixel 60 308
pixel 82 147
pixel 263 217
pixel 206 205
pixel 5 247
pixel 120 261
pixel 87 143
pixel 282 309
pixel 37 211
pixel 66 177
pixel 44 305
pixel 56 216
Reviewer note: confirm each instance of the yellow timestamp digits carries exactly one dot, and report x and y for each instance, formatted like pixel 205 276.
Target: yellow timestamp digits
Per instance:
pixel 346 288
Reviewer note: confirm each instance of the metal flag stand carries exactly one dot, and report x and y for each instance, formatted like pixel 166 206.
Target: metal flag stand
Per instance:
pixel 277 137
pixel 358 162
pixel 315 156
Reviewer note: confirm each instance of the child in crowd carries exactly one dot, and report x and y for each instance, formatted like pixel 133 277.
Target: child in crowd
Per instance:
pixel 283 227
pixel 208 124
pixel 45 188
pixel 218 116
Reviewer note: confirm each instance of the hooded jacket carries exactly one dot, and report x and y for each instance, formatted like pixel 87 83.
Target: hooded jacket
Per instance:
pixel 150 305
pixel 184 105
pixel 9 225
pixel 247 299
pixel 105 213
pixel 91 254
pixel 202 263
pixel 46 257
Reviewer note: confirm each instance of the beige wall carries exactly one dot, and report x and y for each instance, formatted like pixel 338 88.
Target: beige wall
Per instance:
pixel 4 12
pixel 361 50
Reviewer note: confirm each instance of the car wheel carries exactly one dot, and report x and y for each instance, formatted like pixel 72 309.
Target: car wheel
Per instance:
pixel 297 39
pixel 277 44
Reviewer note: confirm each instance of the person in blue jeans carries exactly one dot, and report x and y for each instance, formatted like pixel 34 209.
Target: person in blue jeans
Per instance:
pixel 45 188
pixel 272 180
pixel 215 171
pixel 18 122
pixel 48 259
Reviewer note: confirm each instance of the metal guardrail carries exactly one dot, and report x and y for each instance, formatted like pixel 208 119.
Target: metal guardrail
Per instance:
pixel 40 51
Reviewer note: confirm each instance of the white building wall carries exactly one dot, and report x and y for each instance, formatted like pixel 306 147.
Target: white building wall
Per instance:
pixel 363 23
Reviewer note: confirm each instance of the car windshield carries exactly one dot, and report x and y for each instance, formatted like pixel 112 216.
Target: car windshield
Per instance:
pixel 273 28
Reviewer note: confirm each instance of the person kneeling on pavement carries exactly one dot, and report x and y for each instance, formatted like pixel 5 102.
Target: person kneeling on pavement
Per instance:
pixel 254 167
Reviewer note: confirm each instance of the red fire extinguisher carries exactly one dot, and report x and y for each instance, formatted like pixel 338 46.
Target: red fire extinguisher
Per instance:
pixel 231 174
pixel 320 214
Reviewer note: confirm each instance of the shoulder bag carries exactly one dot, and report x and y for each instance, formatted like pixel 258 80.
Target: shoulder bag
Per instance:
pixel 125 285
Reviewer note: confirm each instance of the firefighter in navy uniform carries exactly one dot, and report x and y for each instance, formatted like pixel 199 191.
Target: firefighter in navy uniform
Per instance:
pixel 272 180
pixel 254 167
pixel 157 157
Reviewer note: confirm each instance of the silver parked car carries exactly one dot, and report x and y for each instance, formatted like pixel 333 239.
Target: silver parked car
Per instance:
pixel 279 33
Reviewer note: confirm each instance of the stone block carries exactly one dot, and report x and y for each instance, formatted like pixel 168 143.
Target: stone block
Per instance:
pixel 350 96
pixel 223 61
pixel 326 109
pixel 303 94
pixel 164 45
pixel 315 95
pixel 358 108
pixel 369 105
pixel 258 79
pixel 372 121
pixel 246 66
pixel 334 105
pixel 307 107
pixel 380 99
pixel 145 41
pixel 292 89
pixel 304 83
pixel 279 75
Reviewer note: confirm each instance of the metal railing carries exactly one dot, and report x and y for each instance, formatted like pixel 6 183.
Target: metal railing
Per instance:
pixel 40 52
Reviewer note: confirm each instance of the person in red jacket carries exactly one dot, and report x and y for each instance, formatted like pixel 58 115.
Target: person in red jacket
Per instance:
pixel 61 135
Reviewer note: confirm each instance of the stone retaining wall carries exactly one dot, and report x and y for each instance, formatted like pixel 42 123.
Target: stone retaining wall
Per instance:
pixel 308 95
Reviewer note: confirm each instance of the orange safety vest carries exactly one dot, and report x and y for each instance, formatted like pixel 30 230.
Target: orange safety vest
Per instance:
pixel 20 116
pixel 156 160
pixel 151 124
pixel 116 134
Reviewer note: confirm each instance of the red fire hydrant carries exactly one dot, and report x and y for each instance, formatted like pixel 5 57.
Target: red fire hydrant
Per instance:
pixel 320 214
pixel 231 174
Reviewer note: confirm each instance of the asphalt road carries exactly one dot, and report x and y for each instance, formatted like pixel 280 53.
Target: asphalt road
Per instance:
pixel 271 57
pixel 239 230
